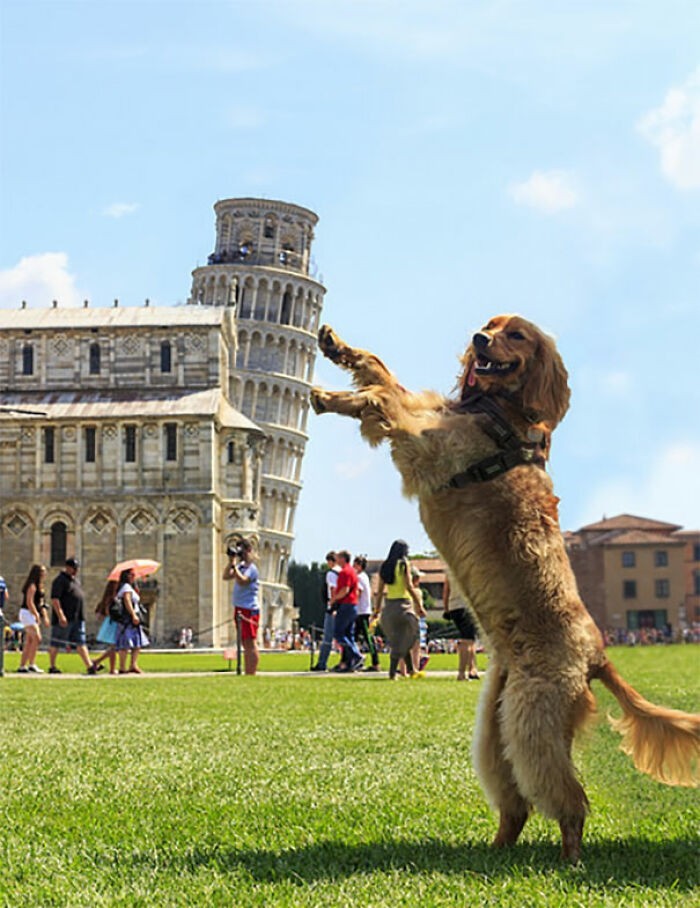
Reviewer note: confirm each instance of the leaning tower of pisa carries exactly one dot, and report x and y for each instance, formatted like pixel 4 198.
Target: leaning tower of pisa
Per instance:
pixel 261 265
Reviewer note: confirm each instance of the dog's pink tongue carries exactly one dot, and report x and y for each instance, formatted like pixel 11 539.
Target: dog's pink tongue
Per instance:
pixel 471 378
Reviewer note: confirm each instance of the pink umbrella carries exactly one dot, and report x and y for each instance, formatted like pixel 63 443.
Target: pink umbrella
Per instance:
pixel 142 566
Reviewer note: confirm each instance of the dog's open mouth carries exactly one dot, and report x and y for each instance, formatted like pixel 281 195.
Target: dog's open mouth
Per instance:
pixel 485 366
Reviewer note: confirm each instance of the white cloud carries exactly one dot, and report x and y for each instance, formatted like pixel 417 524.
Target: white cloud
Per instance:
pixel 353 469
pixel 38 279
pixel 670 490
pixel 674 129
pixel 120 209
pixel 548 191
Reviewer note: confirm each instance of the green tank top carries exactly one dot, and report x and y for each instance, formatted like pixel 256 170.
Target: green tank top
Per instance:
pixel 398 589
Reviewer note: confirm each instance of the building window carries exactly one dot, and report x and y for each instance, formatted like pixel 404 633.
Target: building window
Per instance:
pixel 170 441
pixel 629 559
pixel 696 583
pixel 231 452
pixel 661 558
pixel 166 357
pixel 629 589
pixel 696 551
pixel 269 230
pixel 130 444
pixel 95 359
pixel 59 542
pixel 90 444
pixel 49 445
pixel 662 589
pixel 27 360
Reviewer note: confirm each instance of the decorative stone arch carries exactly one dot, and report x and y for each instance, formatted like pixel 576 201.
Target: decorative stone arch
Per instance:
pixel 248 398
pixel 299 307
pixel 274 302
pixel 273 413
pixel 308 375
pixel 295 415
pixel 287 306
pixel 246 298
pixel 221 290
pixel 265 559
pixel 139 520
pixel 17 520
pixel 255 351
pixel 292 358
pixel 242 351
pixel 182 519
pixel 286 408
pixel 98 519
pixel 236 391
pixel 304 414
pixel 57 543
pixel 261 404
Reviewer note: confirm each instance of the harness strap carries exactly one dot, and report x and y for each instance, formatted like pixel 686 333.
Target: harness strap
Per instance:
pixel 514 452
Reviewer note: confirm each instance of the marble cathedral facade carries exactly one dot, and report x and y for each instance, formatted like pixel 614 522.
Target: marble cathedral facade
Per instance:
pixel 164 432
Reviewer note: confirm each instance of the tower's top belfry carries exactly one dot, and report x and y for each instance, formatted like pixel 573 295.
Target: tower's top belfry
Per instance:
pixel 263 232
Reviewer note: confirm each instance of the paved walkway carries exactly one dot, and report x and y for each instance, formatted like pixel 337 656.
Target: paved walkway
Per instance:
pixel 366 676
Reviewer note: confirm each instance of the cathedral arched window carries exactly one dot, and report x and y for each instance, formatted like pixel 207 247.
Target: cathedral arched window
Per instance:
pixel 59 542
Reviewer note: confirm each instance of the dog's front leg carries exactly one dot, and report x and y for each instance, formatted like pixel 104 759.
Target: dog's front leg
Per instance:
pixel 367 369
pixel 347 403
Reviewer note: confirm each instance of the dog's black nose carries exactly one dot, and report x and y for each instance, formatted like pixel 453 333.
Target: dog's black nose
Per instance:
pixel 481 340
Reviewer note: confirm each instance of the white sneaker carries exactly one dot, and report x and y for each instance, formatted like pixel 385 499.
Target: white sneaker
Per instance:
pixel 36 669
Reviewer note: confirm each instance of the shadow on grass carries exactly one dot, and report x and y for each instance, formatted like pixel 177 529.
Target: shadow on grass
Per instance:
pixel 637 861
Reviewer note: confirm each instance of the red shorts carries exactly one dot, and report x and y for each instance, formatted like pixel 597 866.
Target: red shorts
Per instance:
pixel 249 622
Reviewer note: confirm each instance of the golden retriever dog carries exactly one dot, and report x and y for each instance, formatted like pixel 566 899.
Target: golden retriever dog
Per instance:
pixel 476 465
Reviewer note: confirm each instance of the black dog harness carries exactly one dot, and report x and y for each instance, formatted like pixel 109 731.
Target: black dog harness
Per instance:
pixel 513 451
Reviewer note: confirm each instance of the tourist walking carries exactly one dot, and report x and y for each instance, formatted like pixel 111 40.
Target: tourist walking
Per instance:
pixel 32 614
pixel 68 615
pixel 457 611
pixel 131 637
pixel 330 582
pixel 109 629
pixel 398 614
pixel 364 612
pixel 344 604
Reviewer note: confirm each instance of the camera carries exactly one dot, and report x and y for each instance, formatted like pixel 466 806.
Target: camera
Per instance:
pixel 237 549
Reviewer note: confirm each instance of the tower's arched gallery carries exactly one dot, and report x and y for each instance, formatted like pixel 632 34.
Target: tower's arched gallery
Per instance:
pixel 164 432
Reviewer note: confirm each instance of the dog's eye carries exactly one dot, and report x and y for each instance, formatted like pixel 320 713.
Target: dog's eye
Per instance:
pixel 516 336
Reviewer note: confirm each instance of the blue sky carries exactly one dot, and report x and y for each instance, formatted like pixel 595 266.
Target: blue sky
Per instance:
pixel 465 159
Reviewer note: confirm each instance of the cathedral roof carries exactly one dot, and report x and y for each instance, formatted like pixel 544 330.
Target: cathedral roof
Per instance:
pixel 86 405
pixel 73 317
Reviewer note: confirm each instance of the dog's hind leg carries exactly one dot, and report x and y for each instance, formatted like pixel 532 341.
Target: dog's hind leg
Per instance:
pixel 538 719
pixel 493 769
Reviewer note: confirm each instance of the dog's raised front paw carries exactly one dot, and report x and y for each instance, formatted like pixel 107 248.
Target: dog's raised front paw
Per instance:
pixel 316 399
pixel 329 343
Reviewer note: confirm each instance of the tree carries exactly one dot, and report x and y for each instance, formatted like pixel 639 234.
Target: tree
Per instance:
pixel 308 583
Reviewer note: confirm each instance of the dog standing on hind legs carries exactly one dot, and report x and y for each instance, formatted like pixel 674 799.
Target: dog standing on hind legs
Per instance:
pixel 476 466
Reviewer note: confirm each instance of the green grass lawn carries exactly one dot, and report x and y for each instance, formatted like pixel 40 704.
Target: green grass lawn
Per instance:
pixel 307 791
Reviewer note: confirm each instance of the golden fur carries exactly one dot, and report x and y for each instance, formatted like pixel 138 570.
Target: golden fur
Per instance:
pixel 501 540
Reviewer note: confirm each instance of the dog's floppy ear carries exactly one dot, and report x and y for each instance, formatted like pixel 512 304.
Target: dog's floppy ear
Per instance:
pixel 546 388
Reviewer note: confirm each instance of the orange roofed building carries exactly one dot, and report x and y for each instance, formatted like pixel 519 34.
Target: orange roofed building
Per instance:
pixel 636 573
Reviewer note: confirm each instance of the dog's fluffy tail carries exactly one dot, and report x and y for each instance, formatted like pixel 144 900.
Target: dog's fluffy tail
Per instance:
pixel 664 743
